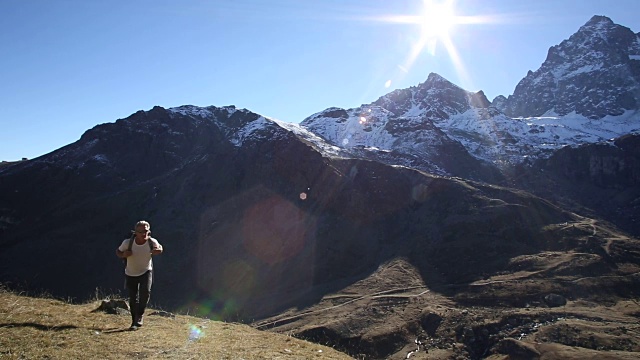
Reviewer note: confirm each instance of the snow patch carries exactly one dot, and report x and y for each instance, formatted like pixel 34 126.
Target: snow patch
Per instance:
pixel 247 131
pixel 320 144
pixel 100 158
pixel 190 110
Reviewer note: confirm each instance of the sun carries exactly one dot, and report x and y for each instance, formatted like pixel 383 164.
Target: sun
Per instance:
pixel 437 19
pixel 436 22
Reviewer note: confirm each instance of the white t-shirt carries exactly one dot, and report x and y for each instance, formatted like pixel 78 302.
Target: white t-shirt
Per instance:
pixel 140 261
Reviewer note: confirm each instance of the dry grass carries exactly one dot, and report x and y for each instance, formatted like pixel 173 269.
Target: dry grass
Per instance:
pixel 41 328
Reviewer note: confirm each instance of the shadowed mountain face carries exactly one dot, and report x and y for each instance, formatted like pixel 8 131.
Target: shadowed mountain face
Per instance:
pixel 273 212
pixel 257 221
pixel 598 180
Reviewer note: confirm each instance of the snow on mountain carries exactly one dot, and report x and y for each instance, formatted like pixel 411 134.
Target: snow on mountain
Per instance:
pixel 400 128
pixel 436 98
pixel 198 113
pixel 314 140
pixel 368 126
pixel 587 91
pixel 239 124
pixel 433 114
pixel 502 139
pixel 401 120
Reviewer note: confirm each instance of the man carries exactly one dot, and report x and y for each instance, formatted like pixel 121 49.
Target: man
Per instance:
pixel 139 269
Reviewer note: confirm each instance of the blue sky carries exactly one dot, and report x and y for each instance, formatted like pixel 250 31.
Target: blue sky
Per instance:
pixel 68 65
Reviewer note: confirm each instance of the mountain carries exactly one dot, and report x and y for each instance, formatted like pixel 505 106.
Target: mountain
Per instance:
pixel 586 91
pixel 219 183
pixel 260 218
pixel 595 73
pixel 427 223
pixel 401 129
pixel 443 129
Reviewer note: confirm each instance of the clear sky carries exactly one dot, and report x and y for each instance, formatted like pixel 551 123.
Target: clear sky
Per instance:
pixel 68 65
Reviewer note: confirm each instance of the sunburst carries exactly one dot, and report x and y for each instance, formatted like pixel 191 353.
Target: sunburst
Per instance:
pixel 437 20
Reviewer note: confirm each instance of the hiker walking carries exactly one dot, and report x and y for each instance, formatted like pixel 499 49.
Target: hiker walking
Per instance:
pixel 137 253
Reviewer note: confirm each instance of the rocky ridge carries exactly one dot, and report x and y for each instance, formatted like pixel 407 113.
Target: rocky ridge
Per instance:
pixel 594 73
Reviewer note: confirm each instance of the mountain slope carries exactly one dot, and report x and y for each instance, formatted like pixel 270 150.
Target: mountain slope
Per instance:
pixel 598 180
pixel 258 218
pixel 43 327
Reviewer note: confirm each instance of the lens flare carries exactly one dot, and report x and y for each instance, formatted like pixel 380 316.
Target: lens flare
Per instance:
pixel 275 230
pixel 195 332
pixel 238 277
pixel 215 306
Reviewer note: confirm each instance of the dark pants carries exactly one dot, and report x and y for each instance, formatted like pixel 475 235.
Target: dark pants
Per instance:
pixel 139 292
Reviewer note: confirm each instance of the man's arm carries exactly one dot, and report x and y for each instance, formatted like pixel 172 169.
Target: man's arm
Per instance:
pixel 157 248
pixel 123 254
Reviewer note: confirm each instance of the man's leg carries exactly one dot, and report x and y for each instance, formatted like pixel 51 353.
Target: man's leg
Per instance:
pixel 132 287
pixel 146 281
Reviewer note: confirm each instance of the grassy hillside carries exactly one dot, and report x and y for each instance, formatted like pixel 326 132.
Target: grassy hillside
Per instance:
pixel 42 328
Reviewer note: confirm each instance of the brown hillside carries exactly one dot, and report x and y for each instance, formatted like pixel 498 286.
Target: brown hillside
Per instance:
pixel 40 328
pixel 574 298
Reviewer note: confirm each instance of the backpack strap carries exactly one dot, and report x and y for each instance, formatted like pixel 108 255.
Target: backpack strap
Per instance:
pixel 131 240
